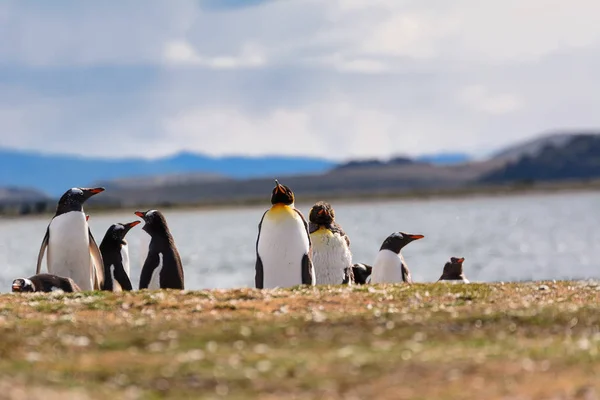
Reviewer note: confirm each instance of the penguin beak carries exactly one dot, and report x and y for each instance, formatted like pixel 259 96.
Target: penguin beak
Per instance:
pixel 460 260
pixel 140 214
pixel 130 225
pixel 321 211
pixel 92 192
pixel 16 286
pixel 415 237
pixel 279 187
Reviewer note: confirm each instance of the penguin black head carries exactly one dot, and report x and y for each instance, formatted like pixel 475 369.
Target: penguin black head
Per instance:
pixel 321 213
pixel 397 240
pixel 74 198
pixel 360 273
pixel 22 285
pixel 155 222
pixel 282 194
pixel 453 269
pixel 117 232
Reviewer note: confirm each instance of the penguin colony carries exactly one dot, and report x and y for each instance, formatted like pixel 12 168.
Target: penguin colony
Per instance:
pixel 290 251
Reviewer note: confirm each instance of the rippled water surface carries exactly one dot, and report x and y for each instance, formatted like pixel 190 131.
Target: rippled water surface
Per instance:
pixel 502 238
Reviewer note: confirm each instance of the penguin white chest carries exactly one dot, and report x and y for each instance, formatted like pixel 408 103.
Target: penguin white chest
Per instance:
pixel 125 258
pixel 330 255
pixel 155 280
pixel 282 245
pixel 68 249
pixel 387 267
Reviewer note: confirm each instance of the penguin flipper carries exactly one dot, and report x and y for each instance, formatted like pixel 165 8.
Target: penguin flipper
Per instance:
pixel 121 277
pixel 406 274
pixel 42 251
pixel 258 268
pixel 151 263
pixel 97 262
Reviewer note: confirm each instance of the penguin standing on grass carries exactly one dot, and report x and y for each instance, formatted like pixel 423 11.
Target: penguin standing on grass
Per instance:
pixel 283 246
pixel 72 250
pixel 389 265
pixel 357 274
pixel 44 283
pixel 115 254
pixel 330 245
pixel 162 268
pixel 453 271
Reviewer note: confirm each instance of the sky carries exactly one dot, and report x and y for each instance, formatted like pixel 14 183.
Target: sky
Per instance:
pixel 328 78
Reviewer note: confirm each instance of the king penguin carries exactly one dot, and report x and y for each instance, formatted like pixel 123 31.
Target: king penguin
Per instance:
pixel 72 250
pixel 162 268
pixel 453 271
pixel 44 283
pixel 330 245
pixel 389 265
pixel 115 254
pixel 283 246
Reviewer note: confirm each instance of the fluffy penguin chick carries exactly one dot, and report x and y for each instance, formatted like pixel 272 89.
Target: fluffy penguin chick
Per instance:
pixel 453 271
pixel 44 283
pixel 283 246
pixel 389 265
pixel 331 253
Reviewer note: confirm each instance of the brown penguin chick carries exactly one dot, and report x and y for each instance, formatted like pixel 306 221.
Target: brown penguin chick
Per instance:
pixel 453 271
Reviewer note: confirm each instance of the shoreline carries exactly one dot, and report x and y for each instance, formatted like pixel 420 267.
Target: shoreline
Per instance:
pixel 461 193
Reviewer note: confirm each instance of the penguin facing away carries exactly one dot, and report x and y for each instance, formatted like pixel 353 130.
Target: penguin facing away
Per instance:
pixel 44 283
pixel 358 274
pixel 283 245
pixel 389 265
pixel 72 249
pixel 331 253
pixel 162 268
pixel 453 271
pixel 115 254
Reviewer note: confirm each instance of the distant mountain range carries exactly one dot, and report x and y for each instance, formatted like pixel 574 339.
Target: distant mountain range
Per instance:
pixel 52 174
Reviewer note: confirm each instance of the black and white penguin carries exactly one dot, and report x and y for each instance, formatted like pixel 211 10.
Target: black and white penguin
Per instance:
pixel 331 253
pixel 283 246
pixel 453 271
pixel 358 274
pixel 44 283
pixel 115 254
pixel 162 268
pixel 72 249
pixel 389 265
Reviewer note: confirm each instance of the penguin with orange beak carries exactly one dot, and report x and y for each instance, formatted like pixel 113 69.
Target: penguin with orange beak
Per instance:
pixel 115 254
pixel 283 246
pixel 453 271
pixel 331 253
pixel 389 265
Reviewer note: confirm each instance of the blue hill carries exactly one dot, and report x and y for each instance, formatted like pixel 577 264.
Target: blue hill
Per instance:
pixel 445 158
pixel 54 173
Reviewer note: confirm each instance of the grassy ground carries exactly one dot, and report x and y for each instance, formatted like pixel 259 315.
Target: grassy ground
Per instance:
pixel 424 341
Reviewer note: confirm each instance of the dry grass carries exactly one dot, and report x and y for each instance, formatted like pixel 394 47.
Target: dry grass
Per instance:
pixel 424 341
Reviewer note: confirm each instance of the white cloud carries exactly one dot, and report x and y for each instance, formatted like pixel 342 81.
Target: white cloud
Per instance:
pixel 342 77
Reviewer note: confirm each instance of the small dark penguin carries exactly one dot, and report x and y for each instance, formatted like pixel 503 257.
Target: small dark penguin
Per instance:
pixel 283 246
pixel 72 249
pixel 44 283
pixel 389 265
pixel 115 254
pixel 162 268
pixel 453 271
pixel 330 245
pixel 358 274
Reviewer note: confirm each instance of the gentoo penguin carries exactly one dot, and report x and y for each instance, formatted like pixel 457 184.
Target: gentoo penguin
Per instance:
pixel 115 254
pixel 389 265
pixel 162 268
pixel 283 246
pixel 330 245
pixel 44 283
pixel 72 250
pixel 359 274
pixel 453 271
